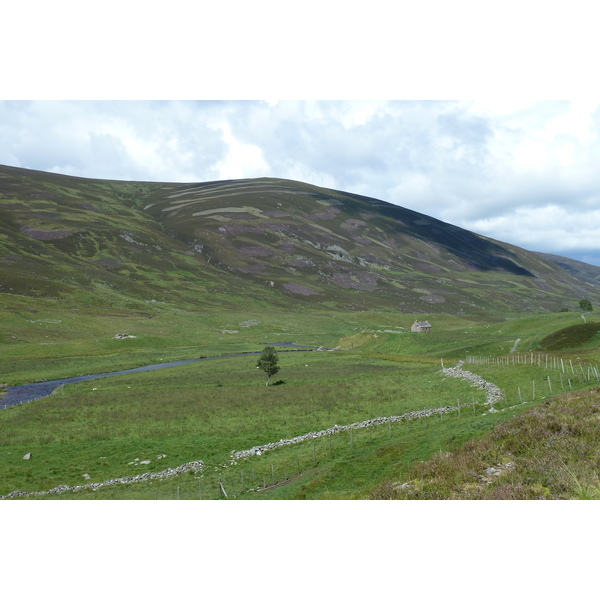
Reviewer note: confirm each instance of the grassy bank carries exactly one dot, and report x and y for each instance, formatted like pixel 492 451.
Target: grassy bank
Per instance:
pixel 548 452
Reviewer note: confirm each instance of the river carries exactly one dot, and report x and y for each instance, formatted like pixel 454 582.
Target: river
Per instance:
pixel 21 394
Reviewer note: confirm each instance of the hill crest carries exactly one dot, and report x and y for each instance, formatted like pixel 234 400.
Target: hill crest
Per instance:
pixel 223 243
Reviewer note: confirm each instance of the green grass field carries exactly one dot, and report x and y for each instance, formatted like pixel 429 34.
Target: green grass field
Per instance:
pixel 106 428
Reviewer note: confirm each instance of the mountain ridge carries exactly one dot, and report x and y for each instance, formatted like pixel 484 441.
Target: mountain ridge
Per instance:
pixel 274 241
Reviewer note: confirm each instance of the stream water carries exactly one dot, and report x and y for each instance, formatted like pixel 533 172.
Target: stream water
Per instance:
pixel 21 394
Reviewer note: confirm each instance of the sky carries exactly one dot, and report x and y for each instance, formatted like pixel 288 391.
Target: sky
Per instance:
pixel 484 116
pixel 525 172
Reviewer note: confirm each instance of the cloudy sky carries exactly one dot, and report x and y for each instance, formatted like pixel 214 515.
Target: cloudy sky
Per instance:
pixel 135 92
pixel 524 172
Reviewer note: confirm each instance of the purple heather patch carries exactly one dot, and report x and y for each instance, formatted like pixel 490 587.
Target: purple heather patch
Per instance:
pixel 357 280
pixel 286 247
pixel 322 236
pixel 352 224
pixel 542 285
pixel 329 214
pixel 256 251
pixel 257 269
pixel 303 290
pixel 363 241
pixel 40 234
pixel 428 267
pixel 108 263
pixel 278 227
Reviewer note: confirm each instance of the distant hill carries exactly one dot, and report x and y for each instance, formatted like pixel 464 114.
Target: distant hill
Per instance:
pixel 272 241
pixel 581 270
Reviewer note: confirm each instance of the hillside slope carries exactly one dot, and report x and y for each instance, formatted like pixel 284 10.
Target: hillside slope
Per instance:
pixel 278 242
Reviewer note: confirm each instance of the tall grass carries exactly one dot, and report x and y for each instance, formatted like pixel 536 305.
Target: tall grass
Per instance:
pixel 549 452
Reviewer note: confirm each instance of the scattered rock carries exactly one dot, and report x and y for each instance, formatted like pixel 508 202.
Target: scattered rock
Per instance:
pixel 400 486
pixel 123 336
pixel 86 475
pixel 27 456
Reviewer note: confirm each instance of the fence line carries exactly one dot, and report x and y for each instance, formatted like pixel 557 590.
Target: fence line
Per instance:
pixel 587 371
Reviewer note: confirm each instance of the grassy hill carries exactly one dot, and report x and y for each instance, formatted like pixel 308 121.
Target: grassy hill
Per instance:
pixel 111 244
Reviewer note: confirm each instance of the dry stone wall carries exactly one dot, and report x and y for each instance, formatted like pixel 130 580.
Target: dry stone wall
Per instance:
pixel 494 394
pixel 194 466
pixel 417 414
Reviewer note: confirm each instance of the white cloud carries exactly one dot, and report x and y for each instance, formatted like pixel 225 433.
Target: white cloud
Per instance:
pixel 242 160
pixel 553 229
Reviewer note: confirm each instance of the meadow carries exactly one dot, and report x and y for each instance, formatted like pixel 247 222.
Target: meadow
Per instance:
pixel 109 428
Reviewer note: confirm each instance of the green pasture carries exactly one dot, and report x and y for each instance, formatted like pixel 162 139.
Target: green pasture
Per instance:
pixel 208 409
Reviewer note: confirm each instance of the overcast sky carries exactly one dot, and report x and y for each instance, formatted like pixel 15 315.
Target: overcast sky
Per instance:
pixel 524 172
pixel 505 165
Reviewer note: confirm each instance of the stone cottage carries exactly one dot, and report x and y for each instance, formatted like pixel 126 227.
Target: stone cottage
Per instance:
pixel 420 327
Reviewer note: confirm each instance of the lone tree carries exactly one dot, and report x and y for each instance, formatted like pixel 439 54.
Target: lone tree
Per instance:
pixel 586 305
pixel 268 362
